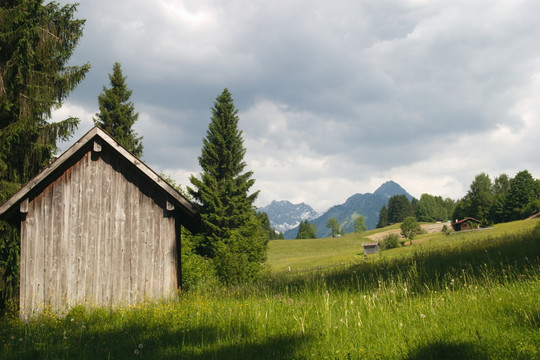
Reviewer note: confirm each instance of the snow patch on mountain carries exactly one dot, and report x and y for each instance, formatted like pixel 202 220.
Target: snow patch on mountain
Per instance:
pixel 284 215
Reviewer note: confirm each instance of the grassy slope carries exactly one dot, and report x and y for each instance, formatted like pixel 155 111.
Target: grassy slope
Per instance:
pixel 312 254
pixel 318 253
pixel 468 296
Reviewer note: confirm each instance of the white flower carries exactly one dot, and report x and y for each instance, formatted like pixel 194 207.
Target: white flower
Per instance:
pixel 136 352
pixel 423 316
pixel 140 346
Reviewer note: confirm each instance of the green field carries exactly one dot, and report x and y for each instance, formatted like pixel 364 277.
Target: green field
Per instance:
pixel 466 296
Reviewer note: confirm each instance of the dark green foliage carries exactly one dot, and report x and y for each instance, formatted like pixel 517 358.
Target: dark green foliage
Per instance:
pixel 523 191
pixel 500 190
pixel 232 235
pixel 481 198
pixel 360 224
pixel 9 263
pixel 265 223
pixel 431 208
pixel 333 225
pixel 410 228
pixel 197 272
pixel 390 241
pixel 306 231
pixel 36 42
pixel 383 217
pixel 445 230
pixel 505 200
pixel 117 114
pixel 239 257
pixel 399 207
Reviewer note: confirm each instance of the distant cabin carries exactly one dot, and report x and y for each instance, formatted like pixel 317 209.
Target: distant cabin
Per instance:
pixel 98 227
pixel 466 224
pixel 371 247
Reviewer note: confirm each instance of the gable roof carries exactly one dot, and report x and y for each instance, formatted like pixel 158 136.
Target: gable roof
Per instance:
pixel 94 140
pixel 466 219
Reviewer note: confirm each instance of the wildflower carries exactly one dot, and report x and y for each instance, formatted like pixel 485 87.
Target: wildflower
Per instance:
pixel 140 346
pixel 423 316
pixel 136 351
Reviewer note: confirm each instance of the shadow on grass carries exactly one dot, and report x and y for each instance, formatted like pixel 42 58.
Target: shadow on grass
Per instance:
pixel 494 259
pixel 145 342
pixel 441 350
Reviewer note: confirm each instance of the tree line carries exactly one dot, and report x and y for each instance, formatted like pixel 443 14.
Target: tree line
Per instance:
pixel 501 200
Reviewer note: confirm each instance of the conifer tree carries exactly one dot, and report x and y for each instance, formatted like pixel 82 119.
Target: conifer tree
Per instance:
pixel 306 231
pixel 383 217
pixel 36 42
pixel 231 232
pixel 117 113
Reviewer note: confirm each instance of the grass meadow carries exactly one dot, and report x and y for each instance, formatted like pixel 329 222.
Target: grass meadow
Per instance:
pixel 474 295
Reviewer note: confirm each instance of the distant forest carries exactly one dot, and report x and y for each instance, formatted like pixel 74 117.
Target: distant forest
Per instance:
pixel 501 200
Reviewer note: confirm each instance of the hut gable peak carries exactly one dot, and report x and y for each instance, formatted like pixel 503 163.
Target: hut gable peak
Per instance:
pixel 95 141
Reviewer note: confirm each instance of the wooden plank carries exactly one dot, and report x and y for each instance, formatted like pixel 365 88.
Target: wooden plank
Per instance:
pixel 26 226
pixel 155 277
pixel 119 220
pixel 83 254
pixel 108 232
pixel 53 292
pixel 142 254
pixel 74 235
pixel 64 246
pixel 96 147
pixel 92 220
pixel 23 208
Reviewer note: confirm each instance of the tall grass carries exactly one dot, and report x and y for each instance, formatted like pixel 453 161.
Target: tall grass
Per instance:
pixel 466 300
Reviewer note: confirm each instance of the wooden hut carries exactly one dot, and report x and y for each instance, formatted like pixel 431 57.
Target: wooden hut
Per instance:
pixel 466 224
pixel 371 247
pixel 98 227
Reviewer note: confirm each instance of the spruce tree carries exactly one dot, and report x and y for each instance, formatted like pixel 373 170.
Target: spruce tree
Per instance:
pixel 231 232
pixel 117 114
pixel 306 231
pixel 383 218
pixel 36 42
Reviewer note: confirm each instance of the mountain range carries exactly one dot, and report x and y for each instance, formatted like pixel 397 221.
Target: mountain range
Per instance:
pixel 285 216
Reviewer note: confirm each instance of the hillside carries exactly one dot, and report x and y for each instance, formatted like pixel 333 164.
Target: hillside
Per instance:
pixel 302 255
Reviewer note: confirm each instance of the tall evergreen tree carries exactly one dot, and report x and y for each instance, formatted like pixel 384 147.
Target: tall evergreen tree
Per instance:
pixel 117 113
pixel 36 42
pixel 231 230
pixel 383 218
pixel 399 207
pixel 306 231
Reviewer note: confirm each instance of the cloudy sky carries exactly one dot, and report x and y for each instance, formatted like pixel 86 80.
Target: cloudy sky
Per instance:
pixel 334 97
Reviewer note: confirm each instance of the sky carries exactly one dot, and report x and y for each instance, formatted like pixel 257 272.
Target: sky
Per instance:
pixel 334 97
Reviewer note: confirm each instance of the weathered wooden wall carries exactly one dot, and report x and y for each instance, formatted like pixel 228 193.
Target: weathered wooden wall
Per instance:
pixel 92 236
